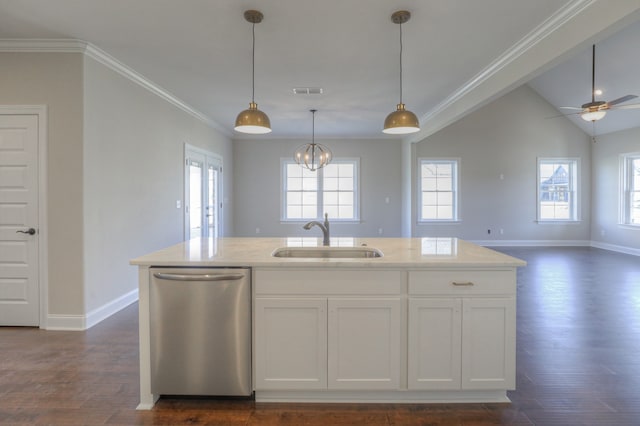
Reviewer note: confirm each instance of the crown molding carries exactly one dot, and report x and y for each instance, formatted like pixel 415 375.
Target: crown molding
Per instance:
pixel 99 55
pixel 42 45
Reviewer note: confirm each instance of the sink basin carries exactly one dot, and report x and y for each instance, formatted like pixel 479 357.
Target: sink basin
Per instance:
pixel 327 252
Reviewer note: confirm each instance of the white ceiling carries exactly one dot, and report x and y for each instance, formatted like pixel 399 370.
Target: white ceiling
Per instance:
pixel 458 54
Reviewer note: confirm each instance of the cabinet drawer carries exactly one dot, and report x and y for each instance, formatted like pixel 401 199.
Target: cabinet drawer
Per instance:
pixel 461 282
pixel 327 282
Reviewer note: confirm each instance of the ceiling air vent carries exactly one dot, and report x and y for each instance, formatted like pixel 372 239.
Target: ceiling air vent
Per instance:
pixel 307 90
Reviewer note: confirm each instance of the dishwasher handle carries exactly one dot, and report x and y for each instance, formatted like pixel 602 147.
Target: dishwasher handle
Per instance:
pixel 198 277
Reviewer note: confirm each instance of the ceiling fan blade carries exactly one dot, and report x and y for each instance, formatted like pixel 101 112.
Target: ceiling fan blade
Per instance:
pixel 566 107
pixel 621 100
pixel 630 106
pixel 563 115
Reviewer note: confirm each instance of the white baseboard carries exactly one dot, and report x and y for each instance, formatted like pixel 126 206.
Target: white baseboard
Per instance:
pixel 557 243
pixel 65 322
pixel 83 322
pixel 533 243
pixel 108 309
pixel 613 247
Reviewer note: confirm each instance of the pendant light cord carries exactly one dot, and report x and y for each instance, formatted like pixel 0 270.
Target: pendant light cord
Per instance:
pixel 313 139
pixel 593 74
pixel 400 62
pixel 253 63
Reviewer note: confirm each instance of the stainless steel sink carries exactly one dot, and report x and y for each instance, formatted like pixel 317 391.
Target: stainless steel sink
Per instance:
pixel 327 252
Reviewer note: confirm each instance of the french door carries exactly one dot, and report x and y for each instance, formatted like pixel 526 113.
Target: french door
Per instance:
pixel 203 190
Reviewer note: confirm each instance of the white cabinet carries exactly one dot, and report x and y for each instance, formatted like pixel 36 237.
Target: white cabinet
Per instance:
pixel 384 335
pixel 317 331
pixel 290 343
pixel 461 330
pixel 364 343
pixel 435 343
pixel 488 343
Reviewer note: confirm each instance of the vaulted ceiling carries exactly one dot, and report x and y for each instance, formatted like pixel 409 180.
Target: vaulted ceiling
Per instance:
pixel 457 54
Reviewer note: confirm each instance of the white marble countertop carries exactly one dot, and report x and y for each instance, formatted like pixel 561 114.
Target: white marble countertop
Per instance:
pixel 397 252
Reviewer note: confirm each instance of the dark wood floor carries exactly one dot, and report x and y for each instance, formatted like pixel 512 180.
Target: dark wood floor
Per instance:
pixel 578 363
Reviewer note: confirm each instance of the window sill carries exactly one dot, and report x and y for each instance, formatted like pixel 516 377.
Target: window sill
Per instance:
pixel 439 222
pixel 630 226
pixel 558 222
pixel 331 221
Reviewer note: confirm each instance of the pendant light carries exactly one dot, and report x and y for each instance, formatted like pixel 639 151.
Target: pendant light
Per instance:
pixel 312 156
pixel 401 121
pixel 253 120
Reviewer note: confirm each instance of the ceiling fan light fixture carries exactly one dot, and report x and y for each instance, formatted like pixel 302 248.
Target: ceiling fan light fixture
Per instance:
pixel 594 110
pixel 401 121
pixel 252 120
pixel 593 115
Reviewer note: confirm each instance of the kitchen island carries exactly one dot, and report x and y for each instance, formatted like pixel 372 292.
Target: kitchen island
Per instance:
pixel 431 320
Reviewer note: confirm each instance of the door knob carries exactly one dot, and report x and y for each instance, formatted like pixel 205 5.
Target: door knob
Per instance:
pixel 30 231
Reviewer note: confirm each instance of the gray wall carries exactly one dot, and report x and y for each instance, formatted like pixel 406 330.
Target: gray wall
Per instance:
pixel 506 137
pixel 114 172
pixel 257 187
pixel 133 175
pixel 605 230
pixel 55 80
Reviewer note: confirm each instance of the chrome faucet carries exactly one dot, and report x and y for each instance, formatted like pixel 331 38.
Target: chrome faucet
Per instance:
pixel 324 227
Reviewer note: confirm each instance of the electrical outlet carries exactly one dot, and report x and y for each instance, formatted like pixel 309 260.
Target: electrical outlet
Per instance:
pixel 257 230
pixel 501 231
pixel 379 231
pixel 178 204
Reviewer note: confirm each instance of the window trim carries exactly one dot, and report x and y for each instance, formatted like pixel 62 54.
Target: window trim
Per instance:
pixel 356 196
pixel 456 161
pixel 577 189
pixel 624 214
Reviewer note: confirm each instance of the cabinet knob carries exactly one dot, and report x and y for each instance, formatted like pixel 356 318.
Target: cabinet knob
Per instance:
pixel 462 284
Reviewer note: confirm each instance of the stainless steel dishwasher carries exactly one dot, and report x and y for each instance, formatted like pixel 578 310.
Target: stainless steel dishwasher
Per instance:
pixel 200 331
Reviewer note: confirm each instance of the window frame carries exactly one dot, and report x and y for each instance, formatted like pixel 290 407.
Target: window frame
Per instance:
pixel 455 189
pixel 355 161
pixel 626 187
pixel 575 189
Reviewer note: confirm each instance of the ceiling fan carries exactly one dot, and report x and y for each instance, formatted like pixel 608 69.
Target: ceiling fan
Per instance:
pixel 596 110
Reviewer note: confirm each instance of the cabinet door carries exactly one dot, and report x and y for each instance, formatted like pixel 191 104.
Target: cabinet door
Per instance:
pixel 291 343
pixel 435 344
pixel 364 343
pixel 488 343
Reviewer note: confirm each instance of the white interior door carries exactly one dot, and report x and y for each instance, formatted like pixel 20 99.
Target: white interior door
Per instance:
pixel 203 189
pixel 19 285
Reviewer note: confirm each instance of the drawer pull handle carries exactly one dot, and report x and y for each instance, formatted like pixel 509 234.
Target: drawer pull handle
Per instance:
pixel 464 284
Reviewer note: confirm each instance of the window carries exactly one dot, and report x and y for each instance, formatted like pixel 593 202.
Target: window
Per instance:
pixel 557 189
pixel 630 167
pixel 332 190
pixel 438 190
